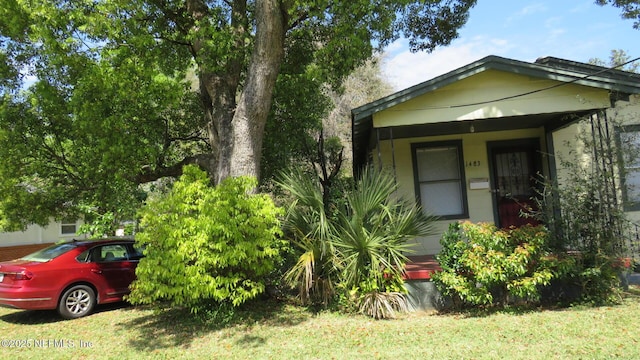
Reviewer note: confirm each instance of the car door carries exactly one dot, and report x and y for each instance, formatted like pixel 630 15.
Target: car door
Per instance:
pixel 114 265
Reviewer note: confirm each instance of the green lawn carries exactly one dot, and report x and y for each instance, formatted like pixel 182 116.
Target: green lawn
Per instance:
pixel 287 332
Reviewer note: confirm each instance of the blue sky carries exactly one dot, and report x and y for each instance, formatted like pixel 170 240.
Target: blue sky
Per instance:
pixel 523 30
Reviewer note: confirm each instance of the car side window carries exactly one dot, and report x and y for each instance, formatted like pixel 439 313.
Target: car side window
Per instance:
pixel 109 253
pixel 136 252
pixel 84 257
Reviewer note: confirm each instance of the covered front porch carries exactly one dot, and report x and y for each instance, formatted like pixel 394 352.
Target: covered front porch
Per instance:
pixel 472 144
pixel 486 174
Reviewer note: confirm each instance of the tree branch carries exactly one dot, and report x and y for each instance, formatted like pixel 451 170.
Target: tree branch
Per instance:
pixel 147 174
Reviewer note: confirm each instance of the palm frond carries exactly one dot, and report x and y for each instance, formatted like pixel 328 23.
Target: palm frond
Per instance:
pixel 362 246
pixel 383 305
pixel 373 188
pixel 372 235
pixel 301 275
pixel 310 231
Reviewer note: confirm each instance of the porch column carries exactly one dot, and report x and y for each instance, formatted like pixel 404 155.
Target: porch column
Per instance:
pixel 551 155
pixel 553 176
pixel 393 154
pixel 378 148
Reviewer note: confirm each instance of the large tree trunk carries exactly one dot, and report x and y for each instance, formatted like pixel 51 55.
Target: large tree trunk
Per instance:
pixel 218 89
pixel 241 139
pixel 236 126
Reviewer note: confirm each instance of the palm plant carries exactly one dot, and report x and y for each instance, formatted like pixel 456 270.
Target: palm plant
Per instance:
pixel 370 240
pixel 360 246
pixel 310 230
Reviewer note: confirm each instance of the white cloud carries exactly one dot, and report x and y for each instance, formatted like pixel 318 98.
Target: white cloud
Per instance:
pixel 583 7
pixel 533 9
pixel 29 80
pixel 526 11
pixel 553 22
pixel 404 69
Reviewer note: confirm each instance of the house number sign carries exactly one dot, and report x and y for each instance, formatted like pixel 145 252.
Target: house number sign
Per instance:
pixel 474 163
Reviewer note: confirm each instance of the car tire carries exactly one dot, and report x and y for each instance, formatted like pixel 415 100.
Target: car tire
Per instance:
pixel 77 301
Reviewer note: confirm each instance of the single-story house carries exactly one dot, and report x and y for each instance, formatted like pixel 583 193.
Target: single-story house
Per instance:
pixel 467 143
pixel 19 243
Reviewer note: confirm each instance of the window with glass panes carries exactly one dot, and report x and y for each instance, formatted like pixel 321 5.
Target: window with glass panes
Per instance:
pixel 68 226
pixel 439 177
pixel 629 137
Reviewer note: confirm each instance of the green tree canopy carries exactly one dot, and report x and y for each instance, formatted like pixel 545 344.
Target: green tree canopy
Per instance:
pixel 100 96
pixel 618 59
pixel 630 9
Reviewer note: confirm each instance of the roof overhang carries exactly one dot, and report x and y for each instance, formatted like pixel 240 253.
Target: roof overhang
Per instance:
pixel 549 121
pixel 559 70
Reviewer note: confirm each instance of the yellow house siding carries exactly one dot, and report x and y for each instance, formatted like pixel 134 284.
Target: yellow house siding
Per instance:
pixel 567 148
pixel 476 157
pixel 442 105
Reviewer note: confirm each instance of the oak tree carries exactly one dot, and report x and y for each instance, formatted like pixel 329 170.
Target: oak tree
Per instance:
pixel 99 96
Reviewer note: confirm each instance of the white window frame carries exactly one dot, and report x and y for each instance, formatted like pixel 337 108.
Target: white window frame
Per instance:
pixel 68 223
pixel 460 179
pixel 630 166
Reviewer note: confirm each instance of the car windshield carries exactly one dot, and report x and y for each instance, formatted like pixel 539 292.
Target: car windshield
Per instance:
pixel 49 253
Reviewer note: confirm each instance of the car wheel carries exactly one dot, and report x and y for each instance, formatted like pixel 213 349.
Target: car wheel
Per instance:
pixel 76 302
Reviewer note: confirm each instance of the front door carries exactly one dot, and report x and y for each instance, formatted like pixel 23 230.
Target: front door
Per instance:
pixel 514 167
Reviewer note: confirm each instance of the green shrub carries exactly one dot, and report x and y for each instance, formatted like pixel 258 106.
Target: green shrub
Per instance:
pixel 598 277
pixel 207 244
pixel 482 265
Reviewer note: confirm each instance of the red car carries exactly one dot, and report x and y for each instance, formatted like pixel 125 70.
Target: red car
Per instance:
pixel 71 277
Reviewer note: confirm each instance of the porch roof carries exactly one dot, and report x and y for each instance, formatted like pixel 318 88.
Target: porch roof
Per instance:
pixel 548 68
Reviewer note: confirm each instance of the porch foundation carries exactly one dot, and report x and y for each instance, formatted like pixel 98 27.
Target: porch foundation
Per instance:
pixel 424 296
pixel 422 292
pixel 633 278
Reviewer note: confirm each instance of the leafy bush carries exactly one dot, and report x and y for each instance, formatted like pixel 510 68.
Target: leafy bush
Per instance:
pixel 586 222
pixel 598 278
pixel 206 244
pixel 482 265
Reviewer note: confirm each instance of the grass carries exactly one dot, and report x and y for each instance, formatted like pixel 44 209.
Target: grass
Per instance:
pixel 279 331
